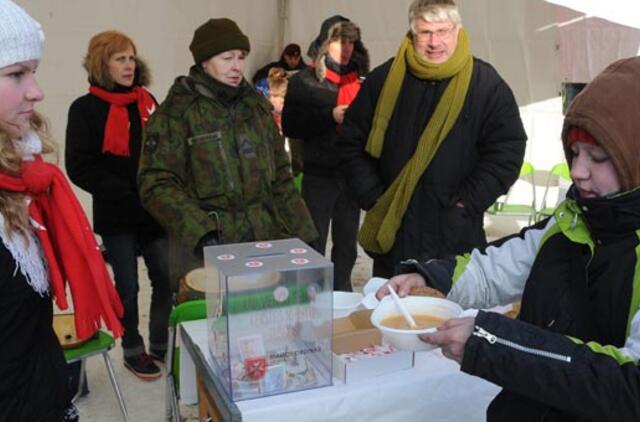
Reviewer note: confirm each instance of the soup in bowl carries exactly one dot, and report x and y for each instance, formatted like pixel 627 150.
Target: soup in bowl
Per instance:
pixel 429 313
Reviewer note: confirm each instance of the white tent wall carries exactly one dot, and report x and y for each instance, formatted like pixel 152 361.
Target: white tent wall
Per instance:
pixel 590 43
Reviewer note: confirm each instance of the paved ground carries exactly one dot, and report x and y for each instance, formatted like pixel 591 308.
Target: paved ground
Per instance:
pixel 145 400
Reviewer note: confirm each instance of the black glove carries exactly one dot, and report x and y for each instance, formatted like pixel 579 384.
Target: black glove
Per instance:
pixel 210 239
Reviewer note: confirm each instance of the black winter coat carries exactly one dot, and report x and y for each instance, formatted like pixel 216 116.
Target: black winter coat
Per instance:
pixel 33 372
pixel 110 179
pixel 477 162
pixel 308 115
pixel 573 354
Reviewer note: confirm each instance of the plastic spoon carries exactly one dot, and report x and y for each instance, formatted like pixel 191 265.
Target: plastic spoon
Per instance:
pixel 405 313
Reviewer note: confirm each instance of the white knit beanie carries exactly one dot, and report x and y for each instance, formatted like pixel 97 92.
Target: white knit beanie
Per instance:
pixel 21 37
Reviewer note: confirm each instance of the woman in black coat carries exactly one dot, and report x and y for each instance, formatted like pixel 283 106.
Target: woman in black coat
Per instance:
pixel 104 132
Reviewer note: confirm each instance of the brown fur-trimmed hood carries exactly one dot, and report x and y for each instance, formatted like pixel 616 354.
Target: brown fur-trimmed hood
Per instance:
pixel 342 29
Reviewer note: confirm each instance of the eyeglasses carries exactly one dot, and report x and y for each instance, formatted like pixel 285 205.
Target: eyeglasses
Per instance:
pixel 441 34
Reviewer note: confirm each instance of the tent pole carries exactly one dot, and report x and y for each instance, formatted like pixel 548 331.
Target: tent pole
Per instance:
pixel 283 10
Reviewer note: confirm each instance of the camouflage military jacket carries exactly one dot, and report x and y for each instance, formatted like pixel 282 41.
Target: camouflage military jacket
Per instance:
pixel 213 160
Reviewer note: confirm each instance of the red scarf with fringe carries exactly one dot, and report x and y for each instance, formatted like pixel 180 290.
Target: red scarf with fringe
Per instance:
pixel 116 131
pixel 69 247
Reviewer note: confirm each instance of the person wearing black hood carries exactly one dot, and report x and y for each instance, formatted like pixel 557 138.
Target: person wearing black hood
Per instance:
pixel 290 60
pixel 103 143
pixel 316 101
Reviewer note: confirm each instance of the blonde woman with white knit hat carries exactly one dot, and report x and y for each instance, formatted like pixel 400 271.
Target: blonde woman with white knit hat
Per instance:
pixel 45 243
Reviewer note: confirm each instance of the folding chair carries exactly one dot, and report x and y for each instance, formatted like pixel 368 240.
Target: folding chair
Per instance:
pixel 75 351
pixel 297 181
pixel 187 311
pixel 505 205
pixel 558 172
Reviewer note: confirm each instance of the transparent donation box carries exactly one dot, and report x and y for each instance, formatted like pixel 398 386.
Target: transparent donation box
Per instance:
pixel 269 317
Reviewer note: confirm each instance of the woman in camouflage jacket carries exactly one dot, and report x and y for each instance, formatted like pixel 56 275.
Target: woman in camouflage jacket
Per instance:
pixel 213 168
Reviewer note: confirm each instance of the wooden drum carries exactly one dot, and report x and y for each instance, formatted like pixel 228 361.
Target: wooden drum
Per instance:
pixel 193 285
pixel 65 328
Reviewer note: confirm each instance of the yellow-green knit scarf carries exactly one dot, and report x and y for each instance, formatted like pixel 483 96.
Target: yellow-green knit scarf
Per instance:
pixel 378 232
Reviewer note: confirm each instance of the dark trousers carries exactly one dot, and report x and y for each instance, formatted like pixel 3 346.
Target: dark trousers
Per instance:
pixel 122 252
pixel 330 201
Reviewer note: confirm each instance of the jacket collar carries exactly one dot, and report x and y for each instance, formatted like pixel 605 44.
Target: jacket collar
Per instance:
pixel 611 216
pixel 200 83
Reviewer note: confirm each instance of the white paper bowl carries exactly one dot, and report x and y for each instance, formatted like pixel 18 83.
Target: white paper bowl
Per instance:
pixel 408 339
pixel 373 285
pixel 345 302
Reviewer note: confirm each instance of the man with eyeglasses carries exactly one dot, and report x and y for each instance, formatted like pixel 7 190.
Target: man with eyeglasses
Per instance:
pixel 430 142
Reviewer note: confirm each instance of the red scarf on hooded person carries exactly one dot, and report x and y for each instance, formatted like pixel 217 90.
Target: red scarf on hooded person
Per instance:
pixel 348 85
pixel 116 131
pixel 69 247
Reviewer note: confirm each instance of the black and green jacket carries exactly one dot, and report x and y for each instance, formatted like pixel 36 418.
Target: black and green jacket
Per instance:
pixel 573 354
pixel 213 161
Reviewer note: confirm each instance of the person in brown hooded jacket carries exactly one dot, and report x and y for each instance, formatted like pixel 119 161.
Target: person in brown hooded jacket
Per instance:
pixel 573 354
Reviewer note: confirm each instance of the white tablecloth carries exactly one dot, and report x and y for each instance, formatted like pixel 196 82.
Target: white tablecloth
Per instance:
pixel 434 390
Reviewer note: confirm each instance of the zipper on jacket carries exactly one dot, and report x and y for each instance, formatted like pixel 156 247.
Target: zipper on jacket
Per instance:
pixel 232 119
pixel 492 339
pixel 586 270
pixel 225 162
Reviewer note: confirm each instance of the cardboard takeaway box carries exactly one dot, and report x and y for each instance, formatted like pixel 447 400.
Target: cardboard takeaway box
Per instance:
pixel 355 332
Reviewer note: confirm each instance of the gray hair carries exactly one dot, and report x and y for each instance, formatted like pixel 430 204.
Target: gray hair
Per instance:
pixel 433 11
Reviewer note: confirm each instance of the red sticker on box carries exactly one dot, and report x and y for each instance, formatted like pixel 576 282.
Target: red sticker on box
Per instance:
pixel 226 257
pixel 263 245
pixel 254 264
pixel 298 251
pixel 255 368
pixel 300 261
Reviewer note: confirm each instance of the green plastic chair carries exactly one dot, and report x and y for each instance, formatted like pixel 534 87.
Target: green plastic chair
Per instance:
pixel 187 311
pixel 297 181
pixel 503 206
pixel 101 343
pixel 559 171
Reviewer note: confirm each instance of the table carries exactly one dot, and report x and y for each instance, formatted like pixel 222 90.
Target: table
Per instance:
pixel 433 390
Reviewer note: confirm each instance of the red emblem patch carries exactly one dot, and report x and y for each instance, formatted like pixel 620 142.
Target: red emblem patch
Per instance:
pixel 255 368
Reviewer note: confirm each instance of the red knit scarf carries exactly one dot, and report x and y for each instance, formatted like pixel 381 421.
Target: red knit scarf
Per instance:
pixel 348 85
pixel 69 247
pixel 116 131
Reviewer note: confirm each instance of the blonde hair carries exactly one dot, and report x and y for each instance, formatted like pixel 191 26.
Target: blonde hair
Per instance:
pixel 277 81
pixel 101 47
pixel 12 204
